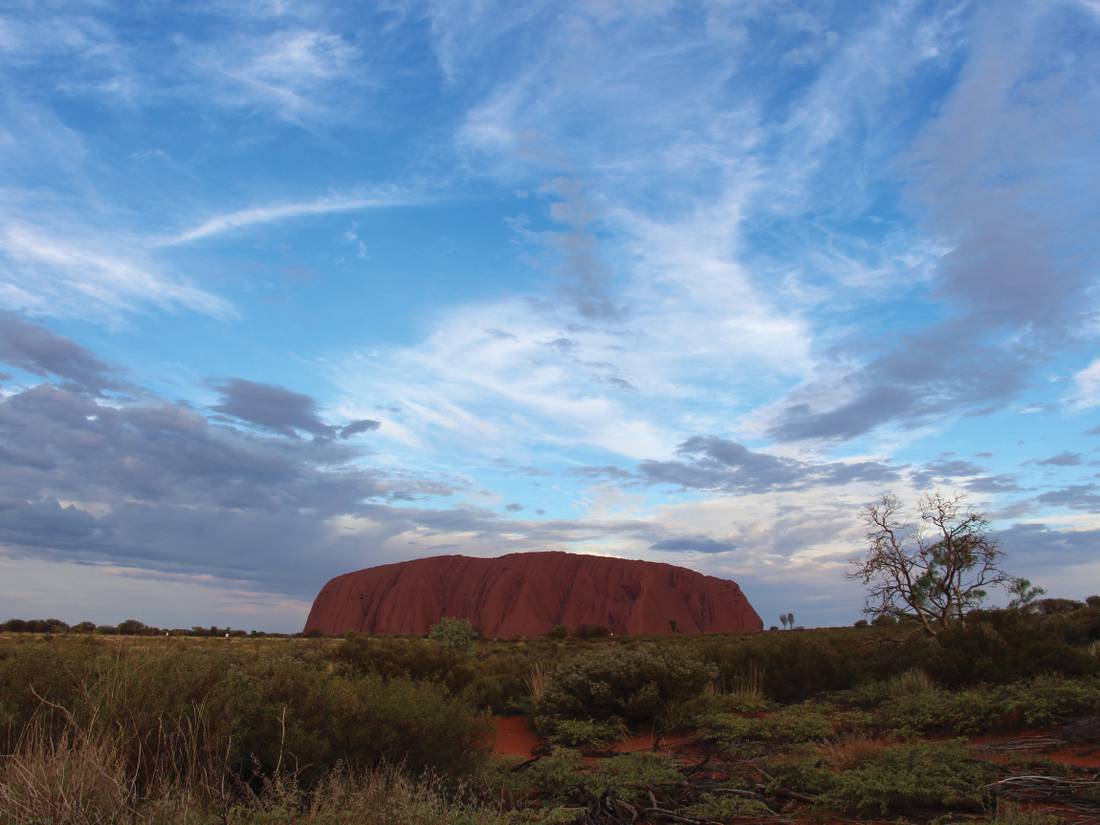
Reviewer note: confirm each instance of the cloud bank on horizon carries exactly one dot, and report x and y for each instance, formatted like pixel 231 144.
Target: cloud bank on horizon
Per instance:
pixel 292 288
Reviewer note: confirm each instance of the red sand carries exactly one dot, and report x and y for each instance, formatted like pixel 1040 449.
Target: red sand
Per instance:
pixel 1083 755
pixel 526 594
pixel 1075 757
pixel 512 737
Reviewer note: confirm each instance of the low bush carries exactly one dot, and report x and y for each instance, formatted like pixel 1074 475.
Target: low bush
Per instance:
pixel 749 735
pixel 632 683
pixel 554 778
pixel 591 631
pixel 407 658
pixel 911 778
pixel 455 634
pixel 631 776
pixel 587 734
pixel 1043 701
pixel 725 808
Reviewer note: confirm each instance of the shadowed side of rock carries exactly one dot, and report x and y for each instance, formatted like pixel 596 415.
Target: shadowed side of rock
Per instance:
pixel 526 594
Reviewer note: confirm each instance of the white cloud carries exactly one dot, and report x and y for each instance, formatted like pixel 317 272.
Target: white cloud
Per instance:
pixel 48 273
pixel 293 72
pixel 1087 386
pixel 271 213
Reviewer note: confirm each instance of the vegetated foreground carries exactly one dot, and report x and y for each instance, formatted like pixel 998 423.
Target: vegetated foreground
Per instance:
pixel 527 594
pixel 994 720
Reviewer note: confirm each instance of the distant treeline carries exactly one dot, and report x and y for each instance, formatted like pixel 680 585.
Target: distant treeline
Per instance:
pixel 130 627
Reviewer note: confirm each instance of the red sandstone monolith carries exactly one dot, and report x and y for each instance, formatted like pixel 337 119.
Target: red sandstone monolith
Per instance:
pixel 526 594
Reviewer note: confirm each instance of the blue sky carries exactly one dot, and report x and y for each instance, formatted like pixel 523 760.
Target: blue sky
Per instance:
pixel 289 289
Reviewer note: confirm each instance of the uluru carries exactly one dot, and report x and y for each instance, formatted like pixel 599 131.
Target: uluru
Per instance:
pixel 527 594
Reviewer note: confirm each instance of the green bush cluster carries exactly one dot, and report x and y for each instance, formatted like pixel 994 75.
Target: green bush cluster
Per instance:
pixel 586 734
pixel 564 779
pixel 454 634
pixel 416 659
pixel 631 683
pixel 748 735
pixel 1038 702
pixel 912 778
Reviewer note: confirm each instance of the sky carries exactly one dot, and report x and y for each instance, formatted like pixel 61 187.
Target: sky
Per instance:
pixel 289 289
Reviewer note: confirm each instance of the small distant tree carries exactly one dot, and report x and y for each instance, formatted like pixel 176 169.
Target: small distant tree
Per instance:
pixel 787 620
pixel 934 567
pixel 132 627
pixel 1052 607
pixel 591 631
pixel 455 634
pixel 1024 595
pixel 1092 601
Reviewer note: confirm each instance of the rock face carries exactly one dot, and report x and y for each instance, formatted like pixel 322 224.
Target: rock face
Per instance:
pixel 526 594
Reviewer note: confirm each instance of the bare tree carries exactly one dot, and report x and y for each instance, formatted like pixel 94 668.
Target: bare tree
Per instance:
pixel 934 567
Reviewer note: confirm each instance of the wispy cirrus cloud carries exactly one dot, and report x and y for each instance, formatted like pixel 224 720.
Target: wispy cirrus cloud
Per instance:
pixel 77 274
pixel 294 72
pixel 273 213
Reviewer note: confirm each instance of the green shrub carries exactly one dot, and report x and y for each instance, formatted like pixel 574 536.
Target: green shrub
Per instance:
pixel 633 683
pixel 747 735
pixel 591 631
pixel 912 778
pixel 1043 701
pixel 406 658
pixel 587 733
pixel 555 777
pixel 686 714
pixel 455 634
pixel 725 808
pixel 629 776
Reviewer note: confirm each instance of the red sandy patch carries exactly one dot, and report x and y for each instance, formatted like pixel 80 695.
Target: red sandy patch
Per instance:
pixel 633 744
pixel 667 745
pixel 1047 746
pixel 1076 757
pixel 512 737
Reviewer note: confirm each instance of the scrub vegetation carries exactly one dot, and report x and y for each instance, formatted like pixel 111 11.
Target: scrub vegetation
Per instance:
pixel 992 719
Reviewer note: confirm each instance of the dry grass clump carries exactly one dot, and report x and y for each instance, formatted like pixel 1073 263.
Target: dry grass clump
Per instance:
pixel 1009 813
pixel 914 682
pixel 70 779
pixel 76 779
pixel 849 752
pixel 538 679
